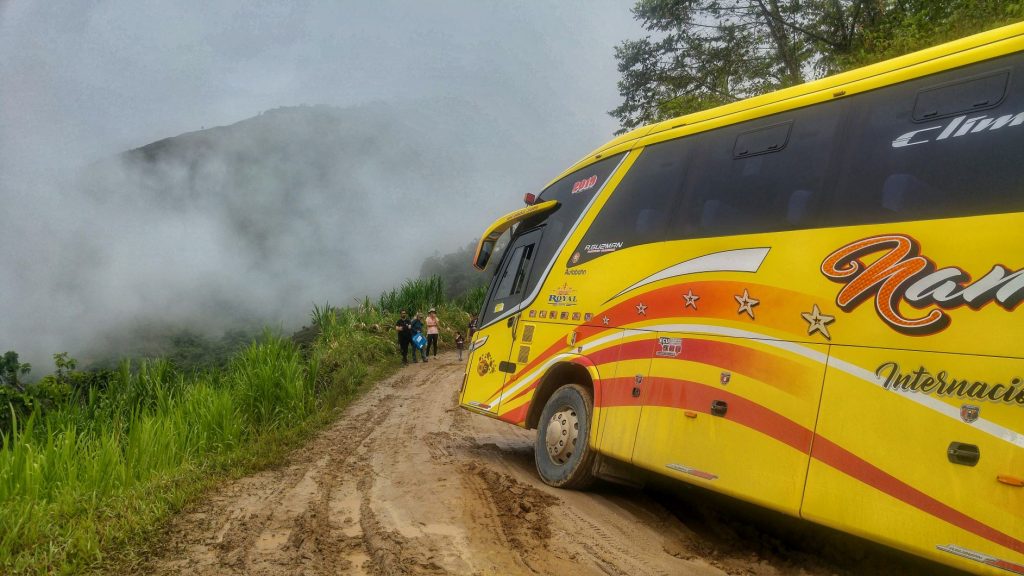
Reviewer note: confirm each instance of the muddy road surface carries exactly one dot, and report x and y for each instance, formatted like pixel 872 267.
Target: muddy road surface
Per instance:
pixel 405 482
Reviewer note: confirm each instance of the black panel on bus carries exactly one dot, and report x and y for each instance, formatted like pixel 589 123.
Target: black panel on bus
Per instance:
pixel 863 159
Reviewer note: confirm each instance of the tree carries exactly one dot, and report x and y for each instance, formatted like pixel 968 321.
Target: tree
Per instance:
pixel 65 365
pixel 11 370
pixel 704 53
pixel 908 25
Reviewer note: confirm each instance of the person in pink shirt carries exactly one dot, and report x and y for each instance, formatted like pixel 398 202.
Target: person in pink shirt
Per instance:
pixel 432 332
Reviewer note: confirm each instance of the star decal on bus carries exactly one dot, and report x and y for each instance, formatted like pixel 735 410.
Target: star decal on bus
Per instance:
pixel 818 322
pixel 641 309
pixel 746 303
pixel 691 299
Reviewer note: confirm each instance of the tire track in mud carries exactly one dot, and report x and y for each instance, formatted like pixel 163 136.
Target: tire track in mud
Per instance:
pixel 305 518
pixel 405 482
pixel 390 550
pixel 518 512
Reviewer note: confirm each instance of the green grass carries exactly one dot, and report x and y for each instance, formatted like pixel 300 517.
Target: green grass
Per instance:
pixel 86 486
pixel 90 476
pixel 414 296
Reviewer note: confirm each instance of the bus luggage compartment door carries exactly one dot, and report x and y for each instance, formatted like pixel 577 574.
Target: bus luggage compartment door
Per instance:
pixel 622 395
pixel 735 415
pixel 920 450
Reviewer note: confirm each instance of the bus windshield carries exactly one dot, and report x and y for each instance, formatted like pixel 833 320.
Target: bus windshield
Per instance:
pixel 574 194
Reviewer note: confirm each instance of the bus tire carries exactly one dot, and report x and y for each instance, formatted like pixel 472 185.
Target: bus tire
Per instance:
pixel 562 452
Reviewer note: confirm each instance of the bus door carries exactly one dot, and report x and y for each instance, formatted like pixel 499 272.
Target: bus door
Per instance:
pixel 492 345
pixel 736 415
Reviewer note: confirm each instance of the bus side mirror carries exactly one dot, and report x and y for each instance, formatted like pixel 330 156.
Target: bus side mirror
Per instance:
pixel 483 254
pixel 486 246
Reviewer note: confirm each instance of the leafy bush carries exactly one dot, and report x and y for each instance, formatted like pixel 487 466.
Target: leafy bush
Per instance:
pixel 271 383
pixel 15 408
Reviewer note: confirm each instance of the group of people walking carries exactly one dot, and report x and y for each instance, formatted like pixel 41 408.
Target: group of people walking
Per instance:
pixel 411 335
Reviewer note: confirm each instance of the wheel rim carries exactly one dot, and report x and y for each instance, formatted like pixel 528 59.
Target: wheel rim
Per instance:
pixel 562 432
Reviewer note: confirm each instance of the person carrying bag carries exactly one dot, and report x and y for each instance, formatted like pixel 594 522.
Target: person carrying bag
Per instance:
pixel 418 340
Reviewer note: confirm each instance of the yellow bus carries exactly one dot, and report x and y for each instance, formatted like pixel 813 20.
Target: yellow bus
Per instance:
pixel 808 300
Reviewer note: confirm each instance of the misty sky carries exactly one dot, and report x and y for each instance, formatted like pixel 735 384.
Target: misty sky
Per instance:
pixel 81 81
pixel 86 79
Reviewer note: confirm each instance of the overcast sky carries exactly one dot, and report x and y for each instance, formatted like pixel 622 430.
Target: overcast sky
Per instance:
pixel 83 80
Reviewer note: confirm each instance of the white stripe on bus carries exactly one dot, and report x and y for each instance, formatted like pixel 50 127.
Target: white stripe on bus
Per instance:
pixel 934 404
pixel 739 260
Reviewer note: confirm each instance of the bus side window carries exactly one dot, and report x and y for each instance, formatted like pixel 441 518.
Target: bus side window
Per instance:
pixel 522 270
pixel 638 211
pixel 761 176
pixel 962 163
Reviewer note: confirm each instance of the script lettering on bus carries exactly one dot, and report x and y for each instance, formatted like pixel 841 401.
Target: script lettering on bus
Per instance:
pixel 940 383
pixel 900 274
pixel 602 247
pixel 957 127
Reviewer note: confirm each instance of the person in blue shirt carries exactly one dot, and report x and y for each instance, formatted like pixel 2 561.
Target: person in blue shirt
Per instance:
pixel 416 327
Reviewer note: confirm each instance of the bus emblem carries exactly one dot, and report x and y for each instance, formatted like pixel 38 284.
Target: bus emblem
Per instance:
pixel 818 322
pixel 901 275
pixel 969 413
pixel 564 295
pixel 670 347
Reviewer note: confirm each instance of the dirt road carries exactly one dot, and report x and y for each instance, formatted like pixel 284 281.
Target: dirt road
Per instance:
pixel 405 482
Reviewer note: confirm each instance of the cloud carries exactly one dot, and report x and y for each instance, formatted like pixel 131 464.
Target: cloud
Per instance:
pixel 440 116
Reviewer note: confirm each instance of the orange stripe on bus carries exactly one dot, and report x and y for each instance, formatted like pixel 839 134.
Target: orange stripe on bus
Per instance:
pixel 694 396
pixel 686 395
pixel 770 369
pixel 666 303
pixel 852 465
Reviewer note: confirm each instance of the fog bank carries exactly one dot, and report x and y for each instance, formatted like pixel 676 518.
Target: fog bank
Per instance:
pixel 433 120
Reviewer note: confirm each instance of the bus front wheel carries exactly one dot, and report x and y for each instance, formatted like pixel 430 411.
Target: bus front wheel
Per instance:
pixel 563 454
